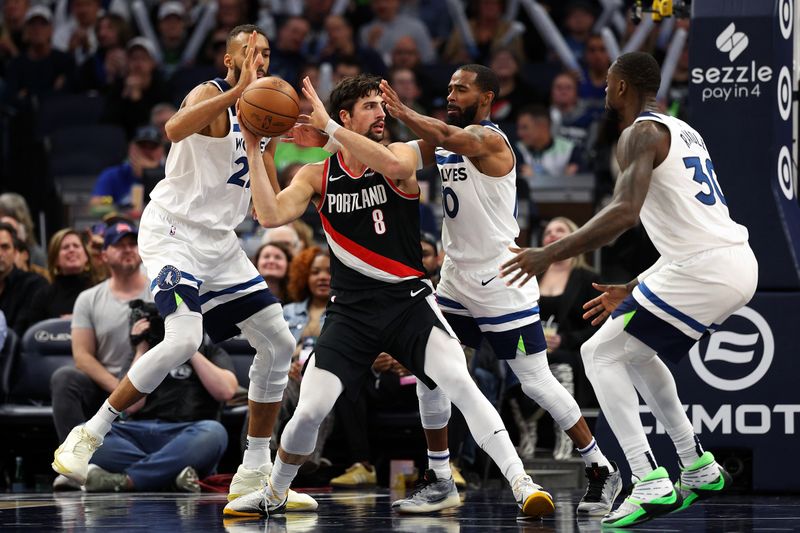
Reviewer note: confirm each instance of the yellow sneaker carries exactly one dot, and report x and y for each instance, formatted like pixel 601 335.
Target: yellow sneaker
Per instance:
pixel 356 476
pixel 461 483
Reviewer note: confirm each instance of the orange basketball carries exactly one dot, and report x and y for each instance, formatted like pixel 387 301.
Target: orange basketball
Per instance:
pixel 269 107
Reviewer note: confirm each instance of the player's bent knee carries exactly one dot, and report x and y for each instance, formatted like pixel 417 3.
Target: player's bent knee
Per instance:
pixel 434 407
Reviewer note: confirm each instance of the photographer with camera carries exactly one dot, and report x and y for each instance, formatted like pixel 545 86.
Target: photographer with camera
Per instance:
pixel 100 344
pixel 175 436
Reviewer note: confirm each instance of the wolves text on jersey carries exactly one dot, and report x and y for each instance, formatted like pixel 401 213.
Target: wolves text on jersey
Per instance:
pixel 453 174
pixel 348 202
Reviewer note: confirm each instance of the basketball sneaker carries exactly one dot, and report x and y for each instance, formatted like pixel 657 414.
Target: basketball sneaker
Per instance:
pixel 705 478
pixel 99 480
pixel 71 459
pixel 357 475
pixel 431 494
pixel 604 487
pixel 263 502
pixel 246 480
pixel 532 499
pixel 652 496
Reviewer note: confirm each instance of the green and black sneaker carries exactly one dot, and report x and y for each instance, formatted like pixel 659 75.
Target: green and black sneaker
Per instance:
pixel 652 496
pixel 704 479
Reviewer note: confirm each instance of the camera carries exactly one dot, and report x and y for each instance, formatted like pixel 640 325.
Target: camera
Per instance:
pixel 148 310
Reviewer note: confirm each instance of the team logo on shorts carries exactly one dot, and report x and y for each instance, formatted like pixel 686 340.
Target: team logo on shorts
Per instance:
pixel 168 278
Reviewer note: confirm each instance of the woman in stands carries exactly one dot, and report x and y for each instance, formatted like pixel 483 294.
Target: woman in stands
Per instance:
pixel 272 261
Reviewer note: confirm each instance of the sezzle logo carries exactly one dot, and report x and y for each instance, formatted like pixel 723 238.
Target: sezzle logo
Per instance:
pixel 715 351
pixel 731 81
pixel 732 42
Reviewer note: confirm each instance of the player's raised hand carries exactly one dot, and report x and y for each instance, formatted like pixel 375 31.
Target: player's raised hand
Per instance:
pixel 605 304
pixel 252 62
pixel 304 134
pixel 319 115
pixel 391 100
pixel 527 263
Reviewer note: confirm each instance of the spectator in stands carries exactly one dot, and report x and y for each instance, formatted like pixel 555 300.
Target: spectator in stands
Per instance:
pixel 17 287
pixel 389 25
pixel 41 70
pixel 405 54
pixel 70 273
pixel 346 67
pixel 596 62
pixel 434 14
pixel 341 44
pixel 430 256
pixel 514 92
pixel 100 335
pixel 107 65
pixel 131 99
pixel 404 82
pixel 540 152
pixel 309 288
pixel 578 24
pixel 176 437
pixel 159 116
pixel 491 32
pixel 571 116
pixel 117 186
pixel 173 34
pixel 286 235
pixel 93 241
pixel 272 261
pixel 231 13
pixel 14 210
pixel 11 30
pixel 286 56
pixel 316 13
pixel 77 34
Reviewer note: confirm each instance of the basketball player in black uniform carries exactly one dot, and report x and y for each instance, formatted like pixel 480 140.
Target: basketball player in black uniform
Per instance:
pixel 368 201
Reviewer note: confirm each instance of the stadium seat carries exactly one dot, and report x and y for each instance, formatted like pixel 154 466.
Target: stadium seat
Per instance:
pixel 81 150
pixel 242 354
pixel 6 355
pixel 67 110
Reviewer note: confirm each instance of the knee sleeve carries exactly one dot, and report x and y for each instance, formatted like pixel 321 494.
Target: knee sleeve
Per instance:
pixel 434 407
pixel 267 332
pixel 183 334
pixel 539 383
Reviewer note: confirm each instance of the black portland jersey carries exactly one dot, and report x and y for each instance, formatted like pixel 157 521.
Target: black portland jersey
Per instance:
pixel 371 226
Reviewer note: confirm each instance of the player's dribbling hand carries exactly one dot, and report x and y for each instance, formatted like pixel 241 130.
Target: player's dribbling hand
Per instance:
pixel 528 263
pixel 319 116
pixel 602 306
pixel 250 66
pixel 391 100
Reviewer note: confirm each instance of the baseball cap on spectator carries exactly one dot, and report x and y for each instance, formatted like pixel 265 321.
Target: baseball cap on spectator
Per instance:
pixel 147 134
pixel 39 11
pixel 171 8
pixel 116 232
pixel 145 44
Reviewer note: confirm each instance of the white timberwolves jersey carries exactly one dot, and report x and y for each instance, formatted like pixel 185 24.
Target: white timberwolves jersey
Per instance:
pixel 207 178
pixel 685 211
pixel 479 211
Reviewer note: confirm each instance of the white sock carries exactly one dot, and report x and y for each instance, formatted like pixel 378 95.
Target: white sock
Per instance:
pixel 439 462
pixel 257 452
pixel 689 449
pixel 592 454
pixel 100 423
pixel 282 476
pixel 500 449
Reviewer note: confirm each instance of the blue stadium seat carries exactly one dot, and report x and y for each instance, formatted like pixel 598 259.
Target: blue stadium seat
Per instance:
pixel 242 354
pixel 46 347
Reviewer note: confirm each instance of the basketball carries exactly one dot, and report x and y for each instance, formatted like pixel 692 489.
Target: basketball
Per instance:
pixel 269 107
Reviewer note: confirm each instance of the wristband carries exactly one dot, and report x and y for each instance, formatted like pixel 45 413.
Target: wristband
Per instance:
pixel 331 127
pixel 332 145
pixel 415 145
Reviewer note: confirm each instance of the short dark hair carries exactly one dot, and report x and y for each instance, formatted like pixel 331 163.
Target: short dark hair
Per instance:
pixel 5 226
pixel 640 70
pixel 485 78
pixel 536 111
pixel 349 90
pixel 244 28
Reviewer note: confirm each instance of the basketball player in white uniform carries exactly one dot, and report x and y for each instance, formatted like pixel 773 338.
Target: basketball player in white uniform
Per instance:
pixel 706 272
pixel 478 172
pixel 201 278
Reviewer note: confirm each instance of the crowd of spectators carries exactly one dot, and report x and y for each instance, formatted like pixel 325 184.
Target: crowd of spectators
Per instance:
pixel 138 59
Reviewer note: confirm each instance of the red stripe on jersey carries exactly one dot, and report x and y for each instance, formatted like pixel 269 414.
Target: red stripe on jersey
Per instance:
pixel 346 169
pixel 375 260
pixel 398 191
pixel 324 184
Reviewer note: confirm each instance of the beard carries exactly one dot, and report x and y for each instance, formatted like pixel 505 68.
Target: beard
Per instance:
pixel 372 136
pixel 465 116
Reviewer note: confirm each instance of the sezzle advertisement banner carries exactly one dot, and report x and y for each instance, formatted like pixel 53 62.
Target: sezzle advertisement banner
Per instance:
pixel 739 388
pixel 740 94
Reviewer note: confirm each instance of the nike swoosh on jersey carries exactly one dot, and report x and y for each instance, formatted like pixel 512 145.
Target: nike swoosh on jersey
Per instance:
pixel 340 176
pixel 488 281
pixel 414 293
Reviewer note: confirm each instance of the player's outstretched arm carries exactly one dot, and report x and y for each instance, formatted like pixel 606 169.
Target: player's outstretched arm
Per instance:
pixel 472 141
pixel 397 163
pixel 205 103
pixel 638 150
